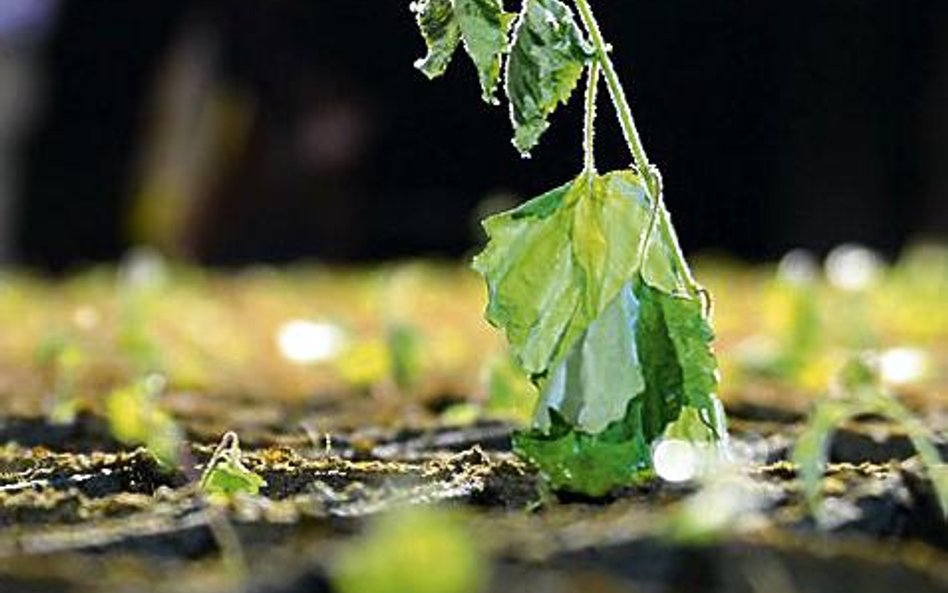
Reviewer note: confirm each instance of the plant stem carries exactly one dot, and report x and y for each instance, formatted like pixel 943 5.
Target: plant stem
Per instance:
pixel 634 142
pixel 589 131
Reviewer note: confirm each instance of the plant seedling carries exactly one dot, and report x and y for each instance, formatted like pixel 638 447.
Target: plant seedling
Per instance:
pixel 62 357
pixel 136 418
pixel 859 391
pixel 413 550
pixel 226 475
pixel 587 280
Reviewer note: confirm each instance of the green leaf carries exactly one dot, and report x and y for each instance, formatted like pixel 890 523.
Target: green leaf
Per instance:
pixel 861 391
pixel 674 341
pixel 226 475
pixel 546 61
pixel 617 349
pixel 135 417
pixel 642 370
pixel 441 32
pixel 592 464
pixel 647 345
pixel 593 386
pixel 554 264
pixel 484 27
pixel 413 549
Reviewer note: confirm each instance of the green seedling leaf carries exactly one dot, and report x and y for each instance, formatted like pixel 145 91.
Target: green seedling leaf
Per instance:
pixel 554 264
pixel 136 418
pixel 483 27
pixel 226 475
pixel 861 392
pixel 442 34
pixel 63 358
pixel 413 550
pixel 546 61
pixel 405 351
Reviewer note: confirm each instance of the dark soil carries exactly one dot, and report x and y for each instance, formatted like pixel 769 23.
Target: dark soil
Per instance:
pixel 80 513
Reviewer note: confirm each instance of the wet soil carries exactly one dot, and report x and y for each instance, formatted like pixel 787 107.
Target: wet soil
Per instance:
pixel 81 513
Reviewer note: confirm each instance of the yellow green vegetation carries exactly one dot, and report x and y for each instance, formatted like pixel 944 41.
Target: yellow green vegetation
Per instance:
pixel 413 550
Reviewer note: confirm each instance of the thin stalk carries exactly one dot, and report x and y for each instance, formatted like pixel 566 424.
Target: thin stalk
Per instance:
pixel 634 142
pixel 589 130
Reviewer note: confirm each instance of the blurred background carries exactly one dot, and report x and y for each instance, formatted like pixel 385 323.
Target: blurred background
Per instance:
pixel 231 131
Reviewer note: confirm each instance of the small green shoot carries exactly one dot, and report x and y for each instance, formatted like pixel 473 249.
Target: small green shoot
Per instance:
pixel 859 391
pixel 135 417
pixel 62 358
pixel 226 475
pixel 413 550
pixel 405 350
pixel 588 280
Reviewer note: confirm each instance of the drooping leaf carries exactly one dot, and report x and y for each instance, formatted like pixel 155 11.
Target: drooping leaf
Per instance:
pixel 482 25
pixel 442 34
pixel 484 28
pixel 674 341
pixel 556 262
pixel 593 385
pixel 646 345
pixel 644 364
pixel 577 461
pixel 546 60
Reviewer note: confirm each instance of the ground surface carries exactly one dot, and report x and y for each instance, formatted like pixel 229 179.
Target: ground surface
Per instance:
pixel 83 512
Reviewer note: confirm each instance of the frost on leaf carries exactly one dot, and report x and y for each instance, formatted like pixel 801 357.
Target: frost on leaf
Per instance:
pixel 643 369
pixel 483 27
pixel 546 61
pixel 441 32
pixel 610 338
pixel 554 264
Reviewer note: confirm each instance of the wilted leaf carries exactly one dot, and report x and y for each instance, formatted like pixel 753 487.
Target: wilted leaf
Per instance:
pixel 648 346
pixel 546 60
pixel 642 368
pixel 602 373
pixel 484 28
pixel 592 464
pixel 554 264
pixel 441 32
pixel 481 24
pixel 674 341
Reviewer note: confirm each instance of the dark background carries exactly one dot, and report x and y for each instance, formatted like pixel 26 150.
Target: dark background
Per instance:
pixel 775 124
